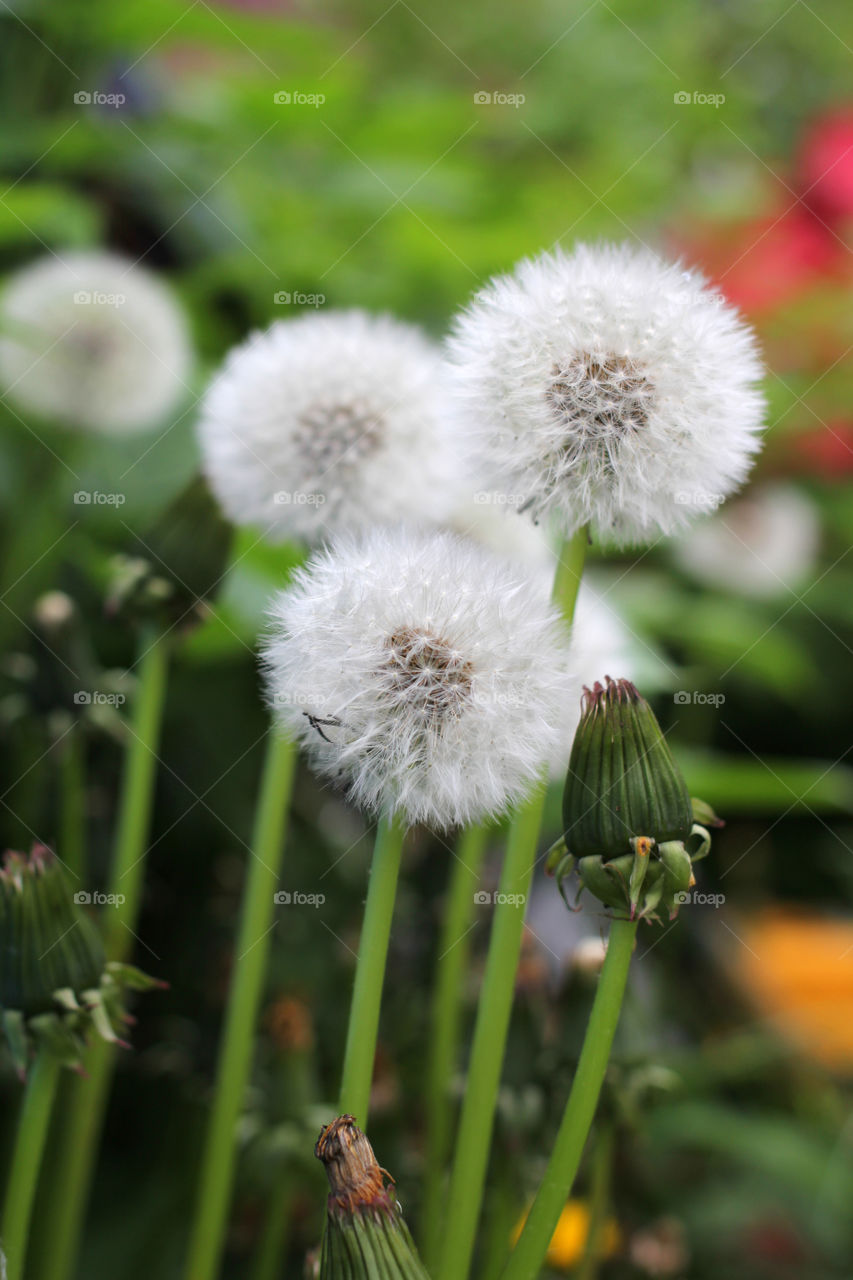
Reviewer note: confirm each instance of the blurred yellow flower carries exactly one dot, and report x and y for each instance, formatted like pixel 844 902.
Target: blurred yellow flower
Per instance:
pixel 796 968
pixel 569 1238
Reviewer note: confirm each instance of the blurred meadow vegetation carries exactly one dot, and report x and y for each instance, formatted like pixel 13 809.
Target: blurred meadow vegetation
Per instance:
pixel 400 192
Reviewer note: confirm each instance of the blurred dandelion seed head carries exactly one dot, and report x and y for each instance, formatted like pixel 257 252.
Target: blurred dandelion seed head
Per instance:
pixel 438 673
pixel 604 384
pixel 92 340
pixel 328 423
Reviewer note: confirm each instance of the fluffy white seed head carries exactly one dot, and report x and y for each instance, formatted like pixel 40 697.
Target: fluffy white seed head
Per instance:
pixel 765 544
pixel 94 341
pixel 329 422
pixel 608 387
pixel 423 671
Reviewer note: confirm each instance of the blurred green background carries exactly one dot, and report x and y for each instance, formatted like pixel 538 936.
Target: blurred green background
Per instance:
pixel 421 150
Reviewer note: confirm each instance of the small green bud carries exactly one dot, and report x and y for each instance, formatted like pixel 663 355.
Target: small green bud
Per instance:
pixel 55 988
pixel 623 781
pixel 627 814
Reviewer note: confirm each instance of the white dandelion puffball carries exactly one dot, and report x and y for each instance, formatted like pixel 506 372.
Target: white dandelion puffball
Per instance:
pixel 610 388
pixel 329 422
pixel 423 671
pixel 92 340
pixel 764 544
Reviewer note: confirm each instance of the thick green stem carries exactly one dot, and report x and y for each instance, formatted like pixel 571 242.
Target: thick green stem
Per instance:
pixel 529 1253
pixel 87 1096
pixel 569 572
pixel 445 1025
pixel 370 970
pixel 235 1056
pixel 26 1160
pixel 490 1031
pixel 72 804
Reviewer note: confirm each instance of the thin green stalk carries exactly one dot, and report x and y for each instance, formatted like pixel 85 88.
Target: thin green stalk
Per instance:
pixel 529 1253
pixel 87 1096
pixel 493 1015
pixel 484 1070
pixel 72 803
pixel 26 1160
pixel 272 1245
pixel 235 1055
pixel 599 1201
pixel 370 970
pixel 445 1026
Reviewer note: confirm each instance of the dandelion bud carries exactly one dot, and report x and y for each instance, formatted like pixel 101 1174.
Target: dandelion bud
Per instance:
pixel 366 1235
pixel 627 813
pixel 54 987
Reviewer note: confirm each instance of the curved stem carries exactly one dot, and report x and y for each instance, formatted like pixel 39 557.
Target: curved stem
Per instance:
pixel 490 1031
pixel 370 970
pixel 454 951
pixel 87 1096
pixel 238 1039
pixel 569 572
pixel 529 1253
pixel 26 1160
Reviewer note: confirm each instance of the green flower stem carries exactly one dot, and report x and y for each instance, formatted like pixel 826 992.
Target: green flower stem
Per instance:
pixel 492 1024
pixel 272 1246
pixel 527 1257
pixel 370 970
pixel 235 1055
pixel 29 1147
pixel 72 803
pixel 445 1025
pixel 599 1201
pixel 569 572
pixel 87 1096
pixel 493 1015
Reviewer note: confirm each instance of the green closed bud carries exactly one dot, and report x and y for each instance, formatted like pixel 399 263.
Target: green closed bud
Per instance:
pixel 366 1236
pixel 623 781
pixel 55 988
pixel 629 829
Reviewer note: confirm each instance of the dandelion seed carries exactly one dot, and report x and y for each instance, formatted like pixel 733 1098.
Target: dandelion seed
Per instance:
pixel 609 388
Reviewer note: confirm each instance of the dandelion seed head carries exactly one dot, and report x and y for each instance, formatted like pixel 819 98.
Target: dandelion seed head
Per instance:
pixel 439 674
pixel 605 385
pixel 330 422
pixel 93 340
